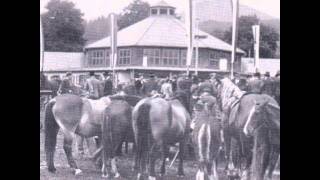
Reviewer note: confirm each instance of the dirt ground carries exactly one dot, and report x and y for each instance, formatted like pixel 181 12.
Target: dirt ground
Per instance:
pixel 125 164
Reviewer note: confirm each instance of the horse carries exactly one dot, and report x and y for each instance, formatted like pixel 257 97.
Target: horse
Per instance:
pixel 73 115
pixel 206 141
pixel 236 106
pixel 116 127
pixel 260 116
pixel 159 123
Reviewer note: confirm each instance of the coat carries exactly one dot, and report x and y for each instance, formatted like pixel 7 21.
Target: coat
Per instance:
pixel 93 87
pixel 149 86
pixel 255 86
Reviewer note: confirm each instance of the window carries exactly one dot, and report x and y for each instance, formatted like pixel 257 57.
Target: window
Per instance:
pixel 124 57
pixel 184 58
pixel 171 12
pixel 214 59
pixel 154 11
pixel 153 56
pixel 170 57
pixel 96 58
pixel 163 11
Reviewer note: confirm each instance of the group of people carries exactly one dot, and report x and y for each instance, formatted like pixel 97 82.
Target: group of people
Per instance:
pixel 150 85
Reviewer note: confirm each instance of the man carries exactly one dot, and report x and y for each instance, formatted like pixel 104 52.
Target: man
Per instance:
pixel 55 83
pixel 184 84
pixel 267 87
pixel 108 85
pixel 255 86
pixel 129 88
pixel 92 86
pixel 276 87
pixel 166 89
pixel 66 85
pixel 150 87
pixel 138 84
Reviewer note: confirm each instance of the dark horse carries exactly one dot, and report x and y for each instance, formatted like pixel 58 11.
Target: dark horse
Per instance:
pixel 206 140
pixel 237 107
pixel 116 128
pixel 73 115
pixel 159 123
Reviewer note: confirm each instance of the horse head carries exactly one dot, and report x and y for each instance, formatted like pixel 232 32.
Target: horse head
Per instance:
pixel 256 117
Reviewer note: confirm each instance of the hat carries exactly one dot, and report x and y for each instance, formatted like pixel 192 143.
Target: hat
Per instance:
pixel 212 74
pixel 106 73
pixel 68 74
pixel 257 74
pixel 151 75
pixel 278 73
pixel 91 73
pixel 267 74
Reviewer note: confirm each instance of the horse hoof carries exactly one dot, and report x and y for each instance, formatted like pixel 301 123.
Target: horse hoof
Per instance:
pixel 162 174
pixel 117 175
pixel 152 178
pixel 52 169
pixel 105 176
pixel 77 172
pixel 180 175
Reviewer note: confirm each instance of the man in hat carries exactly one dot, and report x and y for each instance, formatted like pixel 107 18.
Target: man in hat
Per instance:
pixel 93 86
pixel 150 87
pixel 267 87
pixel 138 84
pixel 55 84
pixel 255 85
pixel 276 86
pixel 66 85
pixel 107 84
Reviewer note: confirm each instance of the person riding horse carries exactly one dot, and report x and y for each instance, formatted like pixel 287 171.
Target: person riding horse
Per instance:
pixel 66 84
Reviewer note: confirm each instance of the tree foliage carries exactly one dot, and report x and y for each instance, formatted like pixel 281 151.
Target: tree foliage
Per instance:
pixel 134 12
pixel 268 37
pixel 63 27
pixel 97 29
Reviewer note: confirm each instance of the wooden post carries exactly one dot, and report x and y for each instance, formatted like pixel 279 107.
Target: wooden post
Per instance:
pixel 235 11
pixel 189 24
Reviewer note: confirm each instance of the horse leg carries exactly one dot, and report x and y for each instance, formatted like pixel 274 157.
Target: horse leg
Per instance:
pixel 181 156
pixel 165 152
pixel 261 152
pixel 67 146
pixel 91 145
pixel 114 167
pixel 274 156
pixel 152 159
pixel 50 146
pixel 126 147
pixel 79 140
pixel 104 169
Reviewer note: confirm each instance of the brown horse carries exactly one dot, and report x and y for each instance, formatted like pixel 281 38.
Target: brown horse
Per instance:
pixel 206 140
pixel 73 115
pixel 237 107
pixel 116 127
pixel 265 114
pixel 159 123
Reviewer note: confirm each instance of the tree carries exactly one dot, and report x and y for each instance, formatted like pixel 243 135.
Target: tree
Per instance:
pixel 63 27
pixel 97 29
pixel 134 12
pixel 268 37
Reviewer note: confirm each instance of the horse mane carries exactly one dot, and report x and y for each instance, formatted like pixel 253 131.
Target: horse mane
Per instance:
pixel 130 99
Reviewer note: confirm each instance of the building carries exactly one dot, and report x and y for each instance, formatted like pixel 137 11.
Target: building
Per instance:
pixel 270 65
pixel 157 44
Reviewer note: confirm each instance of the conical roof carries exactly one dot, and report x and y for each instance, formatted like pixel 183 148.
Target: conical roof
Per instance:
pixel 161 4
pixel 160 31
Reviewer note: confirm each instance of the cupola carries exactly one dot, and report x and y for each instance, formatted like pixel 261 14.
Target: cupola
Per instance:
pixel 162 8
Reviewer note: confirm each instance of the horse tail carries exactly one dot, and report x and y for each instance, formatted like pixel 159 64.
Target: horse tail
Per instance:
pixel 143 134
pixel 51 129
pixel 107 142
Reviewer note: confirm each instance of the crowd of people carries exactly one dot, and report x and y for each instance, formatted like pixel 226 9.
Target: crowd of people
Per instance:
pixel 147 85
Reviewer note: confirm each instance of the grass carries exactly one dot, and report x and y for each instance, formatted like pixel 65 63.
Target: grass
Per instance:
pixel 90 172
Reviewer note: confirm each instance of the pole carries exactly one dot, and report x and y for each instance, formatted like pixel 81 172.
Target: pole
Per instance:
pixel 190 36
pixel 41 46
pixel 256 37
pixel 113 45
pixel 235 9
pixel 197 47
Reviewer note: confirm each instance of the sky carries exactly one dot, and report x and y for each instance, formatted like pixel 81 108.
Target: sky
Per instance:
pixel 96 8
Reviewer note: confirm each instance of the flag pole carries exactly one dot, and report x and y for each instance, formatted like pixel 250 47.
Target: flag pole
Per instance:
pixel 113 45
pixel 235 12
pixel 190 36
